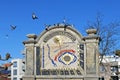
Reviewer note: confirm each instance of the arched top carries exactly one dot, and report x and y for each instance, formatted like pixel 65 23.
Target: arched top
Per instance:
pixel 61 29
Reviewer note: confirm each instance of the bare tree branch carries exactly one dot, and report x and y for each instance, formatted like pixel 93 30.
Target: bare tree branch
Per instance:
pixel 108 33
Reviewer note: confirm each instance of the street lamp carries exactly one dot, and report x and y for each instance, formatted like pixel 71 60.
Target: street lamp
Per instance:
pixel 6 58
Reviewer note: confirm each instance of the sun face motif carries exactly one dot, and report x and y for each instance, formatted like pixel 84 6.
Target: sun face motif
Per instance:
pixel 57 40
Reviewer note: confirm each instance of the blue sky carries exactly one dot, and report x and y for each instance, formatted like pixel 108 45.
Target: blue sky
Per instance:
pixel 76 12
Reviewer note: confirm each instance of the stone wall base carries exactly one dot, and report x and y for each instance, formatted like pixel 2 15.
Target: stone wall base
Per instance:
pixel 91 78
pixel 54 78
pixel 28 77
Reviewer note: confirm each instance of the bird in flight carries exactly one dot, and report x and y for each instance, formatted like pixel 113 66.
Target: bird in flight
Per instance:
pixel 13 27
pixel 34 16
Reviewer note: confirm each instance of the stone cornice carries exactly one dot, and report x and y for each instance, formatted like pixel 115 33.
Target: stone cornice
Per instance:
pixel 29 42
pixel 32 36
pixel 91 37
pixel 91 31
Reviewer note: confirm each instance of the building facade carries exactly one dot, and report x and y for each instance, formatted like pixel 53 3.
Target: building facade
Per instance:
pixel 5 72
pixel 110 68
pixel 17 69
pixel 62 53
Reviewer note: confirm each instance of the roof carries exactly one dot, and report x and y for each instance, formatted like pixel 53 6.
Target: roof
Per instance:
pixel 7 64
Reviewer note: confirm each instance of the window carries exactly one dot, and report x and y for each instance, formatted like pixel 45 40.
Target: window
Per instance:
pixel 114 68
pixel 15 78
pixel 114 77
pixel 102 78
pixel 15 64
pixel 15 72
pixel 81 46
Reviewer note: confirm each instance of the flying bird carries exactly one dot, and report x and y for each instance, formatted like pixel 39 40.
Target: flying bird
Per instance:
pixel 13 27
pixel 34 16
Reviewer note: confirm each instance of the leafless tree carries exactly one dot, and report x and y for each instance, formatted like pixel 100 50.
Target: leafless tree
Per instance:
pixel 109 38
pixel 109 34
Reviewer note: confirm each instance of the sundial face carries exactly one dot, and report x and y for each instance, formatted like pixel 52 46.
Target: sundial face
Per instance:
pixel 59 51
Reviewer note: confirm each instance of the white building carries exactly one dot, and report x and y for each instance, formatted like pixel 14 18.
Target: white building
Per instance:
pixel 111 68
pixel 111 58
pixel 17 69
